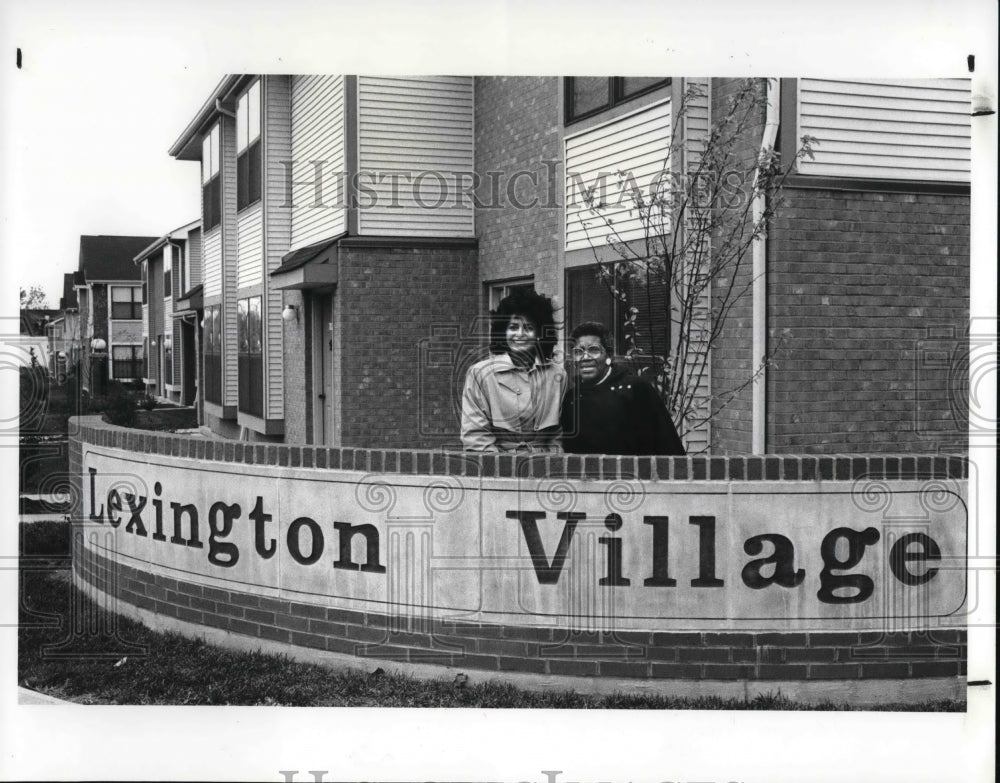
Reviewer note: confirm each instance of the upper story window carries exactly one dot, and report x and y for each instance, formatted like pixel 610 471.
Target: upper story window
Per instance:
pixel 590 95
pixel 248 153
pixel 183 273
pixel 126 303
pixel 167 273
pixel 145 282
pixel 211 159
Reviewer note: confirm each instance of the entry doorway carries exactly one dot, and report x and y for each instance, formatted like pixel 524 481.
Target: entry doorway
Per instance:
pixel 324 422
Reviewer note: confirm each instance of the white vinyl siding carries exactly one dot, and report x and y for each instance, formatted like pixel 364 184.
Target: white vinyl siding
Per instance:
pixel 194 258
pixel 230 372
pixel 212 262
pixel 635 145
pixel 408 126
pixel 696 130
pixel 278 96
pixel 905 130
pixel 249 246
pixel 318 116
pixel 168 296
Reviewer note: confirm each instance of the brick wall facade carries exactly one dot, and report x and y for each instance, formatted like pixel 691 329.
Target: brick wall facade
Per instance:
pixel 297 367
pixel 642 655
pixel 732 363
pixel 869 295
pixel 518 129
pixel 393 301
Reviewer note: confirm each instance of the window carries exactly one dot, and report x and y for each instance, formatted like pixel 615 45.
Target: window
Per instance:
pixel 145 357
pixel 182 270
pixel 168 360
pixel 248 179
pixel 145 282
pixel 126 303
pixel 167 274
pixel 251 359
pixel 498 291
pixel 589 298
pixel 590 95
pixel 211 189
pixel 212 348
pixel 126 362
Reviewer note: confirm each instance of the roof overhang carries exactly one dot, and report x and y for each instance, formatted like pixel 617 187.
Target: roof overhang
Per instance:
pixel 188 144
pixel 191 301
pixel 313 266
pixel 177 234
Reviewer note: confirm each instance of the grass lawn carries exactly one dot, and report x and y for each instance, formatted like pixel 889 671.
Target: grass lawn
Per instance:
pixel 174 669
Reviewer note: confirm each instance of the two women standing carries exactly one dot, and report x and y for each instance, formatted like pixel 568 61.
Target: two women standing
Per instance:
pixel 519 399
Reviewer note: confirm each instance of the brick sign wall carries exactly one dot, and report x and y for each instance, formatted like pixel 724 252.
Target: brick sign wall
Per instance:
pixel 791 569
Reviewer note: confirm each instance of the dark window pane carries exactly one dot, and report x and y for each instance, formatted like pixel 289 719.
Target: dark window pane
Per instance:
pixel 248 183
pixel 254 175
pixel 648 294
pixel 254 325
pixel 242 180
pixel 589 299
pixel 634 84
pixel 589 93
pixel 242 334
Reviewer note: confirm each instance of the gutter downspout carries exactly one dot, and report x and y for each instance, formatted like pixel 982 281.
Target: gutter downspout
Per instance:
pixel 223 110
pixel 759 328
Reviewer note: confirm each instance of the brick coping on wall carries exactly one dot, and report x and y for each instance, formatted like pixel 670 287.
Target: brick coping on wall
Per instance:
pixel 501 649
pixel 778 467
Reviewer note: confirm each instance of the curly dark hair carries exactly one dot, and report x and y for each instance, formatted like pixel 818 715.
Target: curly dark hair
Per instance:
pixel 595 329
pixel 537 308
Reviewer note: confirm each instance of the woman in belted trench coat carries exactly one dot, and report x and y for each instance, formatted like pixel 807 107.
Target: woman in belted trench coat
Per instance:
pixel 510 402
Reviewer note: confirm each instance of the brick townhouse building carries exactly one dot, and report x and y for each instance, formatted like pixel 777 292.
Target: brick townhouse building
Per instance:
pixel 109 300
pixel 170 269
pixel 64 331
pixel 356 229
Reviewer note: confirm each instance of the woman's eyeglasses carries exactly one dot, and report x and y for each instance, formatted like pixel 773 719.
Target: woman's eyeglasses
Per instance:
pixel 591 352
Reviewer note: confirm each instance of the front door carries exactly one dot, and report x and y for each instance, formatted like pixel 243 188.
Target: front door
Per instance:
pixel 324 425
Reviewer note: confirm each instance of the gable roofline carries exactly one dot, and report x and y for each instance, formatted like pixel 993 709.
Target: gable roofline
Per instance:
pixel 188 144
pixel 178 234
pixel 108 258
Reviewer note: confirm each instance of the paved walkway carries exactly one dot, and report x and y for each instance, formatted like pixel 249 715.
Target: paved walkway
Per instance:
pixel 54 516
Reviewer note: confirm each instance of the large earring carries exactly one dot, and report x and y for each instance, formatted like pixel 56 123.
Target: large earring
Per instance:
pixel 608 361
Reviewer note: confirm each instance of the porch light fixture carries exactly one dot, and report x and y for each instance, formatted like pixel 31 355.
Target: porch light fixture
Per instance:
pixel 98 345
pixel 291 312
pixel 168 343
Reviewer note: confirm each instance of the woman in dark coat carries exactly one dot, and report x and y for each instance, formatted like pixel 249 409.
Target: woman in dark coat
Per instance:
pixel 609 409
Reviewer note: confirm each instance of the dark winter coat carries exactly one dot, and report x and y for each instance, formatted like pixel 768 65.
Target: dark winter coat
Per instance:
pixel 623 414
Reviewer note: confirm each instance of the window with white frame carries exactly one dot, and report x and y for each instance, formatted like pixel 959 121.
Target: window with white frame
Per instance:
pixel 497 291
pixel 211 160
pixel 126 303
pixel 590 95
pixel 126 362
pixel 248 149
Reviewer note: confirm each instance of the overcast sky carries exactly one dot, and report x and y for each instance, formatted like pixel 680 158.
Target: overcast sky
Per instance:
pixel 106 87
